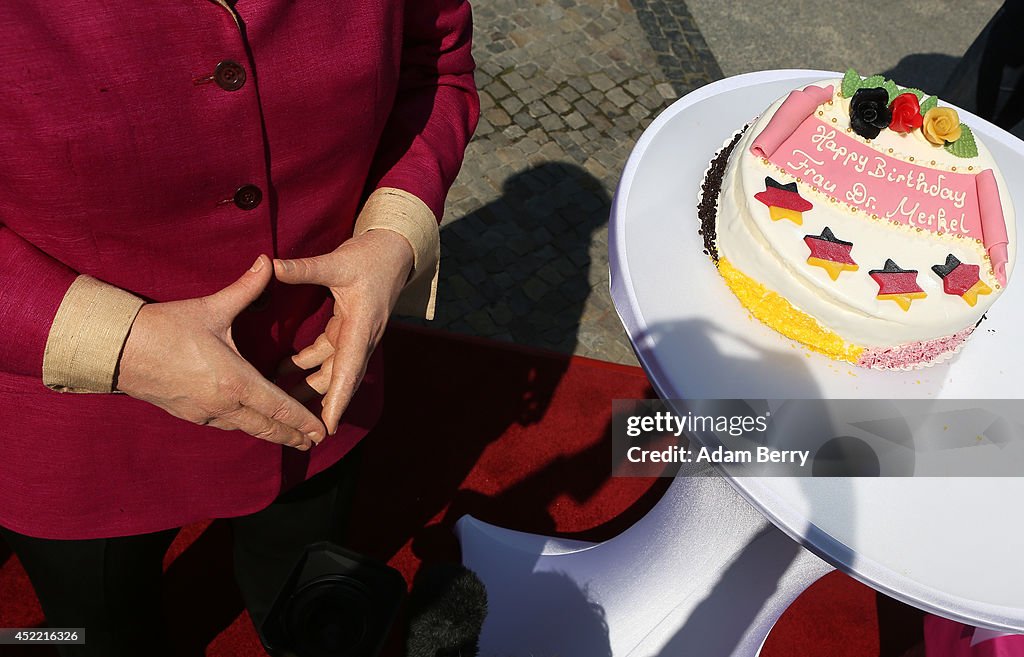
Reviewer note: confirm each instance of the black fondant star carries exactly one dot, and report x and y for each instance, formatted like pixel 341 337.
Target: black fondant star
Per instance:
pixel 771 182
pixel 892 268
pixel 829 236
pixel 945 270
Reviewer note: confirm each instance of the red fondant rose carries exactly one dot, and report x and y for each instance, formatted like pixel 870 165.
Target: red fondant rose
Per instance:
pixel 906 113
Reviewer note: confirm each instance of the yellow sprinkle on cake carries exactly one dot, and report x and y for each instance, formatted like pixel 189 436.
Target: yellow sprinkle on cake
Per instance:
pixel 779 314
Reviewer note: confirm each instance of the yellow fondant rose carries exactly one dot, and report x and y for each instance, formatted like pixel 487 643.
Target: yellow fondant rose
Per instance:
pixel 941 124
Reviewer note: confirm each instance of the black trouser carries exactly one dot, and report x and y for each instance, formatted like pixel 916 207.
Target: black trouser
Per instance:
pixel 111 586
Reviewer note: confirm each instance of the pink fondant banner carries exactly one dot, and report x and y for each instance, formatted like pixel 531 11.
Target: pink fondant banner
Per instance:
pixel 825 157
pixel 993 224
pixel 944 202
pixel 799 104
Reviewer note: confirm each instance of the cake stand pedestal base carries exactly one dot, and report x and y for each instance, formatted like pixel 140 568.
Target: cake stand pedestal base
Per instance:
pixel 702 573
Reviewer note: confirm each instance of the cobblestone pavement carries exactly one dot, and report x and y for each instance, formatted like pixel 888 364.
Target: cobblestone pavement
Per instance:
pixel 566 86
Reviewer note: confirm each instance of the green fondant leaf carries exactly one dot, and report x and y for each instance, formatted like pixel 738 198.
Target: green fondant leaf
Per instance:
pixel 891 88
pixel 928 103
pixel 872 82
pixel 851 83
pixel 965 146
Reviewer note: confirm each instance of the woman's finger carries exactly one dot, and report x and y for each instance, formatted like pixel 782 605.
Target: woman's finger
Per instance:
pixel 260 426
pixel 314 354
pixel 351 352
pixel 321 379
pixel 271 402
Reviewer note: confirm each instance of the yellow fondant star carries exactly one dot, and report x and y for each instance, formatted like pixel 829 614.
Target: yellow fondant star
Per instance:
pixel 903 300
pixel 833 268
pixel 778 213
pixel 971 295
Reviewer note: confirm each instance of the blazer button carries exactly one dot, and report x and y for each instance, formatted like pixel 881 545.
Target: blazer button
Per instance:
pixel 229 75
pixel 247 197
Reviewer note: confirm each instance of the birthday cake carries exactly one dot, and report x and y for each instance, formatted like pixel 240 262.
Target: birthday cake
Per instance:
pixel 863 220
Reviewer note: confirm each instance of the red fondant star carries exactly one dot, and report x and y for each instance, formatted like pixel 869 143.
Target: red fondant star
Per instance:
pixel 896 284
pixel 830 253
pixel 961 279
pixel 777 195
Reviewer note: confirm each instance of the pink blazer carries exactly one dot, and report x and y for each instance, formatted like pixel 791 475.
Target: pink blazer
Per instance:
pixel 125 131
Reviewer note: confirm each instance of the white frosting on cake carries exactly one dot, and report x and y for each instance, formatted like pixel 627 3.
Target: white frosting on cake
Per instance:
pixel 774 252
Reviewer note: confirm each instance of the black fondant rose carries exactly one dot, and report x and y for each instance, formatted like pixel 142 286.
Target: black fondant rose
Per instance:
pixel 869 112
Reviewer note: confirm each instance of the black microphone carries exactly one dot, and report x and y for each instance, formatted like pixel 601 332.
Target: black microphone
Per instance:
pixel 447 608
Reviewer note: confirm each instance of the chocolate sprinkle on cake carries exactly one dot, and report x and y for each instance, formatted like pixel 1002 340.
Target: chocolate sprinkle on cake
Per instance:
pixel 707 209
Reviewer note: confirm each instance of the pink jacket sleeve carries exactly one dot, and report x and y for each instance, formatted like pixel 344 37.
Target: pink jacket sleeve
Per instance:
pixel 32 286
pixel 436 107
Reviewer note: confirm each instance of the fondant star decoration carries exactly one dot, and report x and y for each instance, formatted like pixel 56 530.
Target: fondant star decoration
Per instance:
pixel 896 284
pixel 961 279
pixel 830 253
pixel 783 201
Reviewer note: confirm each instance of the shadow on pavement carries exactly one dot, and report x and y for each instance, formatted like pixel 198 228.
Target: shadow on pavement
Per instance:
pixel 519 268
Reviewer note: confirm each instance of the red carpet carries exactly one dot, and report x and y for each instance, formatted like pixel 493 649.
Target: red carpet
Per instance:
pixel 516 437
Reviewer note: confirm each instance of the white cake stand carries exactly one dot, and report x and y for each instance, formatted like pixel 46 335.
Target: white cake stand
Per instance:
pixel 952 546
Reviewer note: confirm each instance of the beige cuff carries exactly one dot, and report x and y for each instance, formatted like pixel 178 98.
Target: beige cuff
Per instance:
pixel 402 212
pixel 87 335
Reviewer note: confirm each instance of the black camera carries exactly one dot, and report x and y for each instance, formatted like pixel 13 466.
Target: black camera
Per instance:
pixel 336 603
